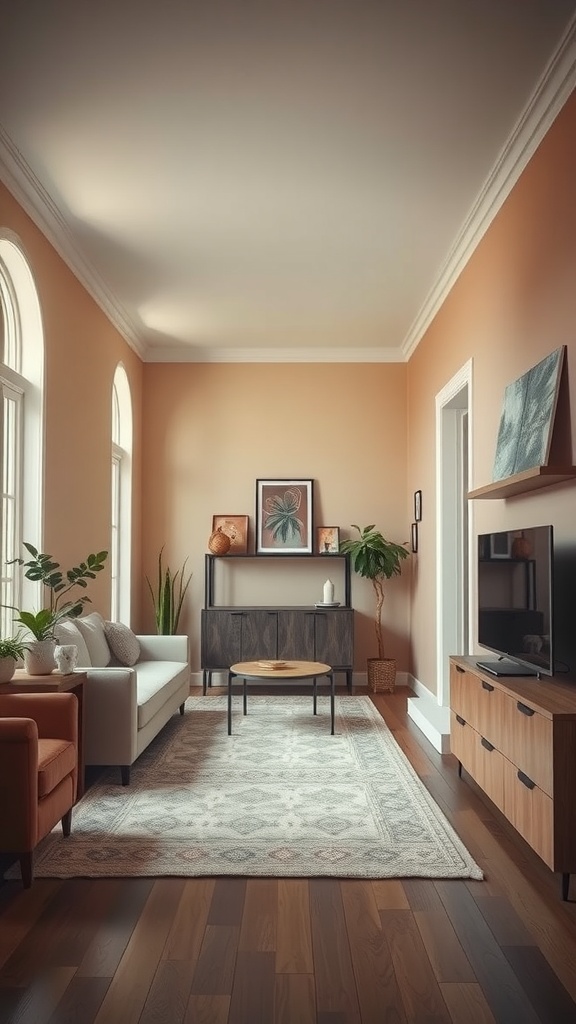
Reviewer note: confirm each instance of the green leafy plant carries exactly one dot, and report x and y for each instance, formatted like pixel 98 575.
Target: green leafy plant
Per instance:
pixel 41 568
pixel 376 559
pixel 169 596
pixel 12 647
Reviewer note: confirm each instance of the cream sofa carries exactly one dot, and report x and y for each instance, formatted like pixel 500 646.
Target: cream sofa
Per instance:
pixel 134 685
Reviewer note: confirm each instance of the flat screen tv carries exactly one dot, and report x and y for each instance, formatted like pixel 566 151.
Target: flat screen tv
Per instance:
pixel 515 601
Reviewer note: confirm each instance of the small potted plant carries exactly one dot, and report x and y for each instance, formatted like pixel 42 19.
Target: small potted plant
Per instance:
pixel 377 560
pixel 41 568
pixel 12 648
pixel 169 597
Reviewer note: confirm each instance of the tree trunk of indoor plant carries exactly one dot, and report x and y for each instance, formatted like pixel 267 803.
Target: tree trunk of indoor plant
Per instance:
pixel 381 671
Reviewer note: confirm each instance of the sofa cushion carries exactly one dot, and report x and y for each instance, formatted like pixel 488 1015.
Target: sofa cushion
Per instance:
pixel 156 682
pixel 67 632
pixel 123 642
pixel 92 629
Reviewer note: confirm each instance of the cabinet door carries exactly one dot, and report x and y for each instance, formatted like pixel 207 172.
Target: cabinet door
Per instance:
pixel 296 634
pixel 334 637
pixel 221 637
pixel 259 632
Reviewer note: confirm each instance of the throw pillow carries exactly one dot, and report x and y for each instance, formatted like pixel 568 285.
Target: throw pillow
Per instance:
pixel 123 642
pixel 92 629
pixel 67 632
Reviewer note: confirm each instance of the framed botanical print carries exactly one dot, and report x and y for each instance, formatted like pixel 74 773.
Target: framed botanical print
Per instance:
pixel 327 540
pixel 284 516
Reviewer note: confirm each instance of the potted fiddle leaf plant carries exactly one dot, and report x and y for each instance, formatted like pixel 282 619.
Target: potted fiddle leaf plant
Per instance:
pixel 377 560
pixel 12 648
pixel 41 568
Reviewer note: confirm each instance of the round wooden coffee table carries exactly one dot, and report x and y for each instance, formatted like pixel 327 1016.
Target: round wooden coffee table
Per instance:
pixel 276 672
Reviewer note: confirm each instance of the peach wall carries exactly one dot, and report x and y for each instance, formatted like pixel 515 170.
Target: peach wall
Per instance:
pixel 82 350
pixel 514 303
pixel 211 430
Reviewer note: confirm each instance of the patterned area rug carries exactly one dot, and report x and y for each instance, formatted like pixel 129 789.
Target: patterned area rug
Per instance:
pixel 281 797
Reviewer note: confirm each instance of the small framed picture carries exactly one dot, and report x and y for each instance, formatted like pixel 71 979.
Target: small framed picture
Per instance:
pixel 418 506
pixel 236 527
pixel 284 517
pixel 414 538
pixel 327 540
pixel 500 545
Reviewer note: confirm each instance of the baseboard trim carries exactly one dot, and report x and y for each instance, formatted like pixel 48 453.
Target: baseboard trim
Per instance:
pixel 431 718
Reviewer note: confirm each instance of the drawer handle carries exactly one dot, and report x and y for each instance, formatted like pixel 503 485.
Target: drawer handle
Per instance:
pixel 525 710
pixel 237 613
pixel 487 686
pixel 461 721
pixel 458 669
pixel 486 744
pixel 526 781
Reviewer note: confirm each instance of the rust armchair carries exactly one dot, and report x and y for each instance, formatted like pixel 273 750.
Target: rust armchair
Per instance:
pixel 38 771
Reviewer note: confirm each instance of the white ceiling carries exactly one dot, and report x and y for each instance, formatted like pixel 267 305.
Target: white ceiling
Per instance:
pixel 295 180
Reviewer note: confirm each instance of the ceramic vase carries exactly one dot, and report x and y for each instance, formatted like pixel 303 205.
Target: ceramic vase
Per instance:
pixel 7 669
pixel 39 658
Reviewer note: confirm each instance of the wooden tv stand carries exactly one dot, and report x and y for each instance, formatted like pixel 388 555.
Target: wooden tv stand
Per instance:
pixel 516 737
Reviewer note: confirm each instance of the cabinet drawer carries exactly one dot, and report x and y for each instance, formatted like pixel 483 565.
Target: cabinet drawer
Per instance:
pixel 527 742
pixel 531 811
pixel 478 702
pixel 479 757
pixel 463 742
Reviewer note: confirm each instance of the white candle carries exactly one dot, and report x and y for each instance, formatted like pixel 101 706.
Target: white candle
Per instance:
pixel 328 592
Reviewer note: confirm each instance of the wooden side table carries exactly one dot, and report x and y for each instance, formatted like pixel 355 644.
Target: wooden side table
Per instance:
pixel 21 682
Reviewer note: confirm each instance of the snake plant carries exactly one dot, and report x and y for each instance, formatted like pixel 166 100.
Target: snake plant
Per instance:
pixel 169 596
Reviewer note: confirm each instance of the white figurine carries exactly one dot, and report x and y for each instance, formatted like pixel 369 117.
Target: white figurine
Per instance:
pixel 66 656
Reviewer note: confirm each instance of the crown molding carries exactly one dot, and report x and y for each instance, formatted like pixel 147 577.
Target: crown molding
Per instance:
pixel 548 98
pixel 21 181
pixel 159 354
pixel 550 94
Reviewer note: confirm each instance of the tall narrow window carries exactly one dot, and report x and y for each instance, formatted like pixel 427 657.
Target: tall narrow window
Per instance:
pixel 21 424
pixel 121 490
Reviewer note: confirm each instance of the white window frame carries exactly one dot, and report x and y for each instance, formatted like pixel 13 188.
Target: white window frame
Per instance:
pixel 121 498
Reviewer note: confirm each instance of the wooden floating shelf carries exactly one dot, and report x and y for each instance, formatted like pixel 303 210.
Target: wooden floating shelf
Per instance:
pixel 527 480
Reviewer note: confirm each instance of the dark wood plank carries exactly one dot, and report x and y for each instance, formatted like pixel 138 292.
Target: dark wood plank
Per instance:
pixel 204 1009
pixel 227 904
pixel 378 992
pixel 81 1001
pixel 335 984
pixel 466 1003
pixel 169 993
pixel 390 894
pixel 550 999
pixel 421 895
pixel 253 989
pixel 293 932
pixel 421 994
pixel 187 931
pixel 21 910
pixel 214 971
pixel 111 937
pixel 504 994
pixel 40 1000
pixel 448 959
pixel 260 917
pixel 294 999
pixel 503 921
pixel 129 987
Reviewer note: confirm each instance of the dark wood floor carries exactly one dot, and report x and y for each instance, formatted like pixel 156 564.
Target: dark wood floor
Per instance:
pixel 299 951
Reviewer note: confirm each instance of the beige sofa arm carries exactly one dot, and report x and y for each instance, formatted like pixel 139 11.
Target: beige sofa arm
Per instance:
pixel 110 716
pixel 164 648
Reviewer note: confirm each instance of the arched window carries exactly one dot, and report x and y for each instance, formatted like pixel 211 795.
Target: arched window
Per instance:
pixel 121 515
pixel 21 423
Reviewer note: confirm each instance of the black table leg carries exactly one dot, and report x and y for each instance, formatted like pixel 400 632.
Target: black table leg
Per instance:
pixel 331 676
pixel 244 704
pixel 314 694
pixel 229 703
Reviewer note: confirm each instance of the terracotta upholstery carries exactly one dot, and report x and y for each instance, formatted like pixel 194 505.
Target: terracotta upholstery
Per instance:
pixel 38 770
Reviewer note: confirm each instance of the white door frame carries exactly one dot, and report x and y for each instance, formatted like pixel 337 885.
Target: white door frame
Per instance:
pixel 451 403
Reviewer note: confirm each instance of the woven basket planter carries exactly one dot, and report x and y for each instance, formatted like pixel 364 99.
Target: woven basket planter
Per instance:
pixel 219 542
pixel 381 674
